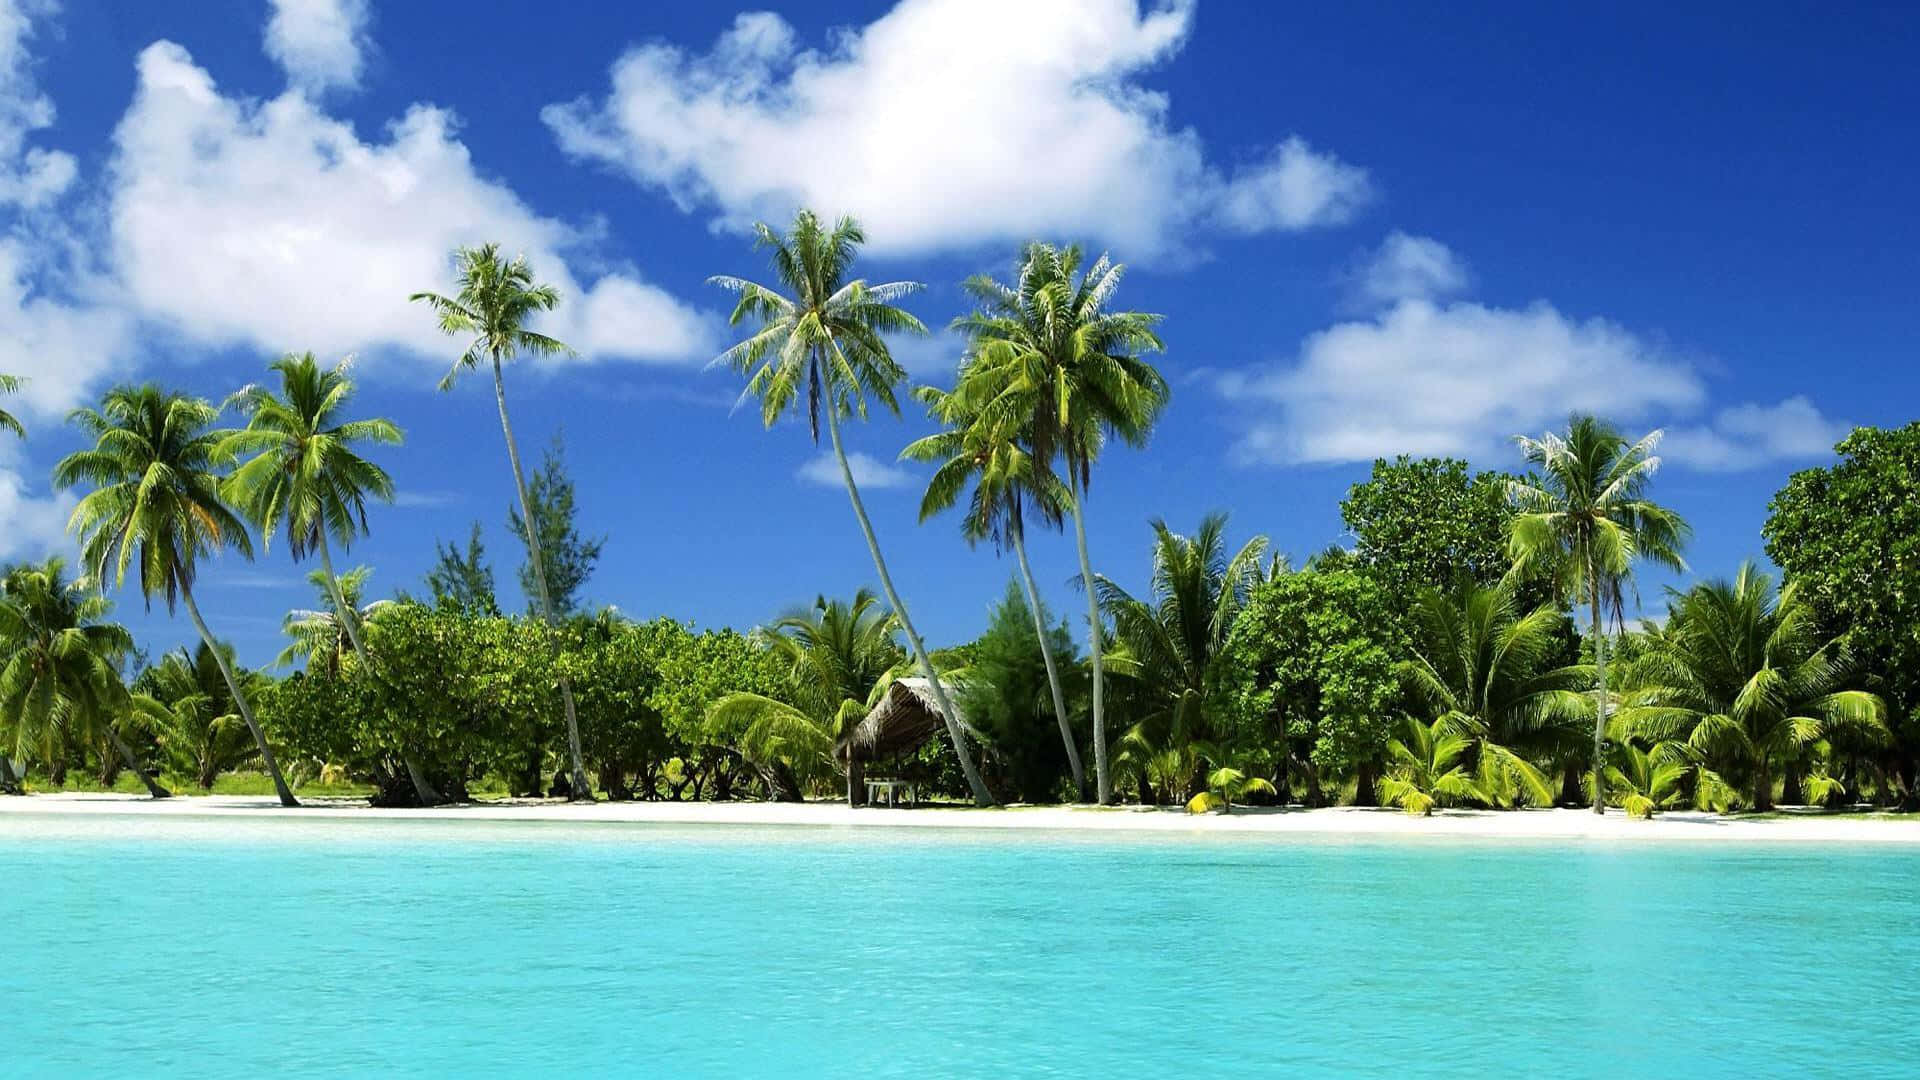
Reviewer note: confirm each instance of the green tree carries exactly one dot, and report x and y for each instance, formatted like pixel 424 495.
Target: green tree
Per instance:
pixel 569 557
pixel 1847 537
pixel 1010 698
pixel 59 675
pixel 1428 522
pixel 1742 677
pixel 185 702
pixel 1585 520
pixel 157 501
pixel 1644 782
pixel 462 581
pixel 1005 480
pixel 320 637
pixel 1047 357
pixel 1484 672
pixel 1308 672
pixel 11 384
pixel 617 666
pixel 824 338
pixel 1426 768
pixel 496 301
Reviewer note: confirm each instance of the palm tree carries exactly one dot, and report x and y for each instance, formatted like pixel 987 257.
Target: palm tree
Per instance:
pixel 1741 677
pixel 321 636
pixel 157 501
pixel 824 338
pixel 11 384
pixel 58 664
pixel 496 301
pixel 1005 479
pixel 1424 769
pixel 1647 781
pixel 1046 357
pixel 184 701
pixel 1171 647
pixel 1477 665
pixel 1585 519
pixel 838 658
pixel 1224 785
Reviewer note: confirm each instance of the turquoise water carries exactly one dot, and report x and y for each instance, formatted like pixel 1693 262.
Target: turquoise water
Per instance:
pixel 199 948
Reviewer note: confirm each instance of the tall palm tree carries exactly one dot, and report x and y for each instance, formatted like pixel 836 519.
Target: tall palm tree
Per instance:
pixel 1005 480
pixel 1479 667
pixel 321 636
pixel 1741 677
pixel 59 678
pixel 496 302
pixel 823 337
pixel 1171 647
pixel 11 384
pixel 184 701
pixel 1585 519
pixel 157 501
pixel 1046 356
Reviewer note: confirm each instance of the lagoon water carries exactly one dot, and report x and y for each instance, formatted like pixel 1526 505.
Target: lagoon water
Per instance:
pixel 141 947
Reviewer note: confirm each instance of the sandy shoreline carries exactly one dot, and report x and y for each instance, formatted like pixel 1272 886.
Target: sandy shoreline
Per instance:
pixel 1344 821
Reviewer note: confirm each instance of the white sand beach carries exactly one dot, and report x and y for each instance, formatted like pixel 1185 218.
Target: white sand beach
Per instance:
pixel 1573 825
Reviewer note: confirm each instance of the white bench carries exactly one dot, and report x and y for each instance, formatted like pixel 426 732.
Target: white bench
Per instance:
pixel 892 788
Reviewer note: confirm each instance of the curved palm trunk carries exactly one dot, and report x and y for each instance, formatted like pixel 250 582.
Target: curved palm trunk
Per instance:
pixel 1103 777
pixel 1600 702
pixel 1053 671
pixel 349 620
pixel 126 754
pixel 582 790
pixel 981 796
pixel 239 699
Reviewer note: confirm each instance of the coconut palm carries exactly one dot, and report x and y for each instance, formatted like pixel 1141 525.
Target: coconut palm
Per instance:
pixel 1478 667
pixel 1742 678
pixel 11 384
pixel 1224 785
pixel 1425 768
pixel 184 701
pixel 1585 520
pixel 59 675
pixel 1645 782
pixel 822 339
pixel 1170 648
pixel 157 501
pixel 838 659
pixel 319 637
pixel 1047 357
pixel 496 302
pixel 1005 481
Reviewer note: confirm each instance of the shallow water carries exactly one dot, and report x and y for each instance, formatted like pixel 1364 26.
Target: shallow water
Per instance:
pixel 220 947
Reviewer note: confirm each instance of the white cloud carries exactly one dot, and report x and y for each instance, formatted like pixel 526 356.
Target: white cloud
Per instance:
pixel 35 525
pixel 320 43
pixel 868 472
pixel 1455 380
pixel 1750 435
pixel 941 129
pixel 30 177
pixel 1409 268
pixel 275 226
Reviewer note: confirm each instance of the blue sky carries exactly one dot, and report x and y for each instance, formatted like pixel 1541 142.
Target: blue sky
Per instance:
pixel 1371 228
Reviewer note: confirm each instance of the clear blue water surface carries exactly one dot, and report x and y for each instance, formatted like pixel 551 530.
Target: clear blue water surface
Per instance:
pixel 139 947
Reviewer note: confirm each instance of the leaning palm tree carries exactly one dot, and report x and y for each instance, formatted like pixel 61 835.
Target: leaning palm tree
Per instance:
pixel 1045 356
pixel 496 302
pixel 1479 667
pixel 11 384
pixel 1741 677
pixel 1005 481
pixel 59 675
pixel 157 501
pixel 823 338
pixel 1585 520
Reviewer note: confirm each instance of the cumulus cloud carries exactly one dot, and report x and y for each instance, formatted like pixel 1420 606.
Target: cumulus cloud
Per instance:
pixel 321 44
pixel 1407 267
pixel 1746 436
pixel 273 225
pixel 942 131
pixel 868 472
pixel 30 177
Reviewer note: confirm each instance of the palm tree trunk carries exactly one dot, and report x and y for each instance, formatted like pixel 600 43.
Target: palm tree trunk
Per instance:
pixel 981 796
pixel 1053 671
pixel 126 754
pixel 1600 699
pixel 582 790
pixel 239 699
pixel 1103 777
pixel 349 620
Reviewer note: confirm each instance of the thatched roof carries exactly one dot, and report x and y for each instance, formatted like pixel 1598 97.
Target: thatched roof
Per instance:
pixel 907 717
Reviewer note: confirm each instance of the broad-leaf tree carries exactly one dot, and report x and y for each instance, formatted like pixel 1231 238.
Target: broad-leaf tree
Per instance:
pixel 157 506
pixel 818 342
pixel 1585 519
pixel 493 309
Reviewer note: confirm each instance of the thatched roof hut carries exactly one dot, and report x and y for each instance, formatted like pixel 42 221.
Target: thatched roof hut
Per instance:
pixel 906 718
